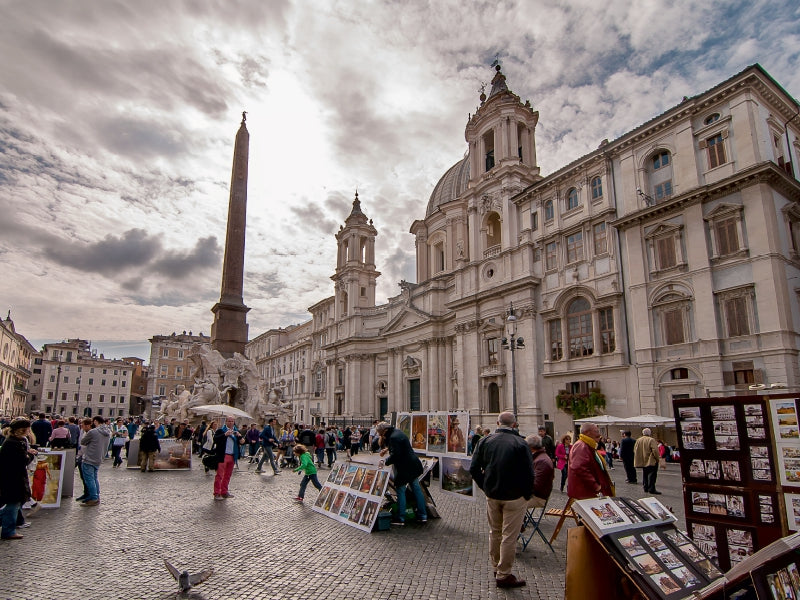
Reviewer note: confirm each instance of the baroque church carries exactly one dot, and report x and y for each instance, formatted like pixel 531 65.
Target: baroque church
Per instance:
pixel 664 264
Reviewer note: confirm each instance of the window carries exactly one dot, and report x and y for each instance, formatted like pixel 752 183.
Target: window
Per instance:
pixel 363 291
pixel 413 394
pixel 102 398
pixel 114 383
pixel 711 119
pixel 556 343
pixel 113 399
pixel 488 145
pixel 493 393
pixel 744 376
pixel 660 160
pixel 91 381
pixel 575 247
pixel 63 396
pixel 115 372
pixel 607 341
pixel 600 242
pixel 665 252
pixel 673 326
pixel 162 390
pixel 579 329
pixel 726 236
pixel 737 311
pixel 548 210
pixel 572 199
pixel 551 261
pixel 100 411
pixel 180 353
pixel 105 371
pixel 663 190
pixel 534 220
pixel 52 378
pixel 716 151
pixel 679 373
pixel 66 379
pixel 597 188
pixel 340 376
pixel 178 371
pixel 438 261
pixel 493 350
pixel 165 353
pixel 102 382
pixel 50 395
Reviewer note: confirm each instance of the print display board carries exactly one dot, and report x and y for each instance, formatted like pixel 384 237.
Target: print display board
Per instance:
pixel 46 474
pixel 353 494
pixel 436 433
pixel 784 414
pixel 730 465
pixel 175 455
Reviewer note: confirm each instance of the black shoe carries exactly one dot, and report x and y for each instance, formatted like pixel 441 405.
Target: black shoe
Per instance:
pixel 655 492
pixel 510 581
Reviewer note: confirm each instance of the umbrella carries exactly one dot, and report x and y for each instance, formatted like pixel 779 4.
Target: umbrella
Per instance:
pixel 650 420
pixel 602 420
pixel 220 409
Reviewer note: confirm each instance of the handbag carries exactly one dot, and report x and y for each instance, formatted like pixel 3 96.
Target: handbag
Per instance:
pixel 210 461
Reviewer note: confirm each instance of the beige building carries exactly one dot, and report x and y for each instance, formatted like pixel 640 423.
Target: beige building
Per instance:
pixel 16 357
pixel 76 381
pixel 662 265
pixel 170 365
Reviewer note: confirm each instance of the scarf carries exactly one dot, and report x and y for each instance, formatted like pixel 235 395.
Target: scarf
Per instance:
pixel 593 445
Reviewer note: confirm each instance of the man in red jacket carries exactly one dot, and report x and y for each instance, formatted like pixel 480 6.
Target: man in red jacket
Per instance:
pixel 588 476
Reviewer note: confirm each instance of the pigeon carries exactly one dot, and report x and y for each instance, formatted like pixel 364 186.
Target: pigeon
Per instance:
pixel 185 579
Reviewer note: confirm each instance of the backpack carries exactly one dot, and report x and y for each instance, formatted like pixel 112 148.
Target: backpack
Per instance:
pixel 331 439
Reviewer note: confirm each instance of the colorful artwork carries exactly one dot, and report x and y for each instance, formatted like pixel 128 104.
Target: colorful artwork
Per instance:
pixel 353 494
pixel 419 432
pixel 455 476
pixel 47 478
pixel 404 424
pixel 792 502
pixel 437 433
pixel 457 427
pixel 175 455
pixel 631 545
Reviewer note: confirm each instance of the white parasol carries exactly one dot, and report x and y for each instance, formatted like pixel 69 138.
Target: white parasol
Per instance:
pixel 220 409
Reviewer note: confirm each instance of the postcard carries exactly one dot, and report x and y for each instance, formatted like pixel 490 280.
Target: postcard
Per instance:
pixel 724 412
pixel 730 470
pixel 685 577
pixel 651 539
pixel 717 504
pixel 689 412
pixel 648 564
pixel 701 531
pixel 759 451
pixel 665 583
pixel 631 545
pixel 697 469
pixel 691 552
pixel 751 410
pixel 712 469
pixel 700 502
pixel 668 559
pixel 727 442
pixel 735 506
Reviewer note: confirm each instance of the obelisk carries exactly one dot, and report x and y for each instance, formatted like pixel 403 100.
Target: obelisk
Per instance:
pixel 229 330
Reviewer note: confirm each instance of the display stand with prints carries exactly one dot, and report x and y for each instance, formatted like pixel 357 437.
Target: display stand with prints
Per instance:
pixel 353 494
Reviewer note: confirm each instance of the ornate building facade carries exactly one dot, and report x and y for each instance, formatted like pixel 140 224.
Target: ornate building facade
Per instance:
pixel 665 264
pixel 16 357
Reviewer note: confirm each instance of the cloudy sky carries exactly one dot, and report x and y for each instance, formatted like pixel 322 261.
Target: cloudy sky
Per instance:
pixel 117 123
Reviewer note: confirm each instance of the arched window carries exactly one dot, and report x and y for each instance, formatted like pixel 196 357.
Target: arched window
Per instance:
pixel 548 210
pixel 711 119
pixel 492 230
pixel 493 398
pixel 488 145
pixel 579 328
pixel 572 199
pixel 660 175
pixel 597 188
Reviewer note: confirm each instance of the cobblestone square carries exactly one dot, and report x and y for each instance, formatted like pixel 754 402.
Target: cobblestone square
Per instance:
pixel 263 545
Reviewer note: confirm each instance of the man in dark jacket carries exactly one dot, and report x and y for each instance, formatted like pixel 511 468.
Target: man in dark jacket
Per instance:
pixel 269 439
pixel 42 429
pixel 407 469
pixel 502 466
pixel 626 446
pixel 547 443
pixel 543 472
pixel 149 446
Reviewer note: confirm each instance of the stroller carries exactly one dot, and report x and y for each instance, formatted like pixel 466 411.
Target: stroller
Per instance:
pixel 289 459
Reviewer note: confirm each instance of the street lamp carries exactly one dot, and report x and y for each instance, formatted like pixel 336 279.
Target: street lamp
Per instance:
pixel 78 395
pixel 58 381
pixel 512 342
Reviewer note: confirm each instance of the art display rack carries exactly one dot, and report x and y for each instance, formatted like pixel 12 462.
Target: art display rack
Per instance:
pixel 733 498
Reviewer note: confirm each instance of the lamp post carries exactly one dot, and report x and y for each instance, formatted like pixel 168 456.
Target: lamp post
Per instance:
pixel 78 396
pixel 58 381
pixel 513 343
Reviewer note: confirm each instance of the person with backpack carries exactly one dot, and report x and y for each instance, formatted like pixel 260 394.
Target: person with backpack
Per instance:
pixel 269 439
pixel 330 446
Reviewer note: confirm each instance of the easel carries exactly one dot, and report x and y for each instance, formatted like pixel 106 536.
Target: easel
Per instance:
pixel 562 513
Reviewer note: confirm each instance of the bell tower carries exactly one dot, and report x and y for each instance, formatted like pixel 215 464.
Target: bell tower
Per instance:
pixel 355 276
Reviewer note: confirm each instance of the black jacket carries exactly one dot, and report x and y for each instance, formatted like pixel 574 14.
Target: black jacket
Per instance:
pixel 149 441
pixel 549 446
pixel 14 483
pixel 626 445
pixel 42 429
pixel 406 462
pixel 502 466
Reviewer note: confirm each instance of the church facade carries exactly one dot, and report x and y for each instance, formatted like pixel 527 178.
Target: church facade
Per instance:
pixel 664 264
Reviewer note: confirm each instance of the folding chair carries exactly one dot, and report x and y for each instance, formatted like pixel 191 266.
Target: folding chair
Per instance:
pixel 530 526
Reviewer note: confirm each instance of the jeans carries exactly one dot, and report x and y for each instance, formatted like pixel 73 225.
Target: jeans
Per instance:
pixel 320 456
pixel 422 511
pixel 90 481
pixel 8 518
pixel 268 454
pixel 564 472
pixel 253 448
pixel 304 484
pixel 331 455
pixel 630 470
pixel 115 452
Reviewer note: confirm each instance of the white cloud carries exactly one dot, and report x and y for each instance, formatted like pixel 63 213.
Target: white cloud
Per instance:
pixel 117 128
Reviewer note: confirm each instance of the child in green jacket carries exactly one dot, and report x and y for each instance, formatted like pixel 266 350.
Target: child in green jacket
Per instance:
pixel 307 466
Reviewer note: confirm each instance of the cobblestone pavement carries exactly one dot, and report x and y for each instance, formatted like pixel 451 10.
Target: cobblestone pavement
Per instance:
pixel 262 545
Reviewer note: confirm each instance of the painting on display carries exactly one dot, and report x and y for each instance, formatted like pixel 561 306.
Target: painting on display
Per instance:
pixel 455 476
pixel 457 428
pixel 792 502
pixel 784 424
pixel 47 477
pixel 175 455
pixel 404 424
pixel 437 433
pixel 419 432
pixel 352 495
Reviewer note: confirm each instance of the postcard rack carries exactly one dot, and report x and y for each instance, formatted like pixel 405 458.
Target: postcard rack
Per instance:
pixel 735 454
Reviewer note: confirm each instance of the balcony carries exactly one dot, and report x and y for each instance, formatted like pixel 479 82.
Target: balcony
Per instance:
pixel 492 251
pixel 496 370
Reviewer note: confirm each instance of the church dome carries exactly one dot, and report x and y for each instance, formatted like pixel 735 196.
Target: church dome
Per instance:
pixel 452 184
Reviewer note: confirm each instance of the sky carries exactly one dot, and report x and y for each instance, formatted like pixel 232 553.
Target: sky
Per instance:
pixel 117 124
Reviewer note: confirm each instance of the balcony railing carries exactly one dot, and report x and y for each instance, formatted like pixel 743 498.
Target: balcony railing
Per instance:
pixel 492 251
